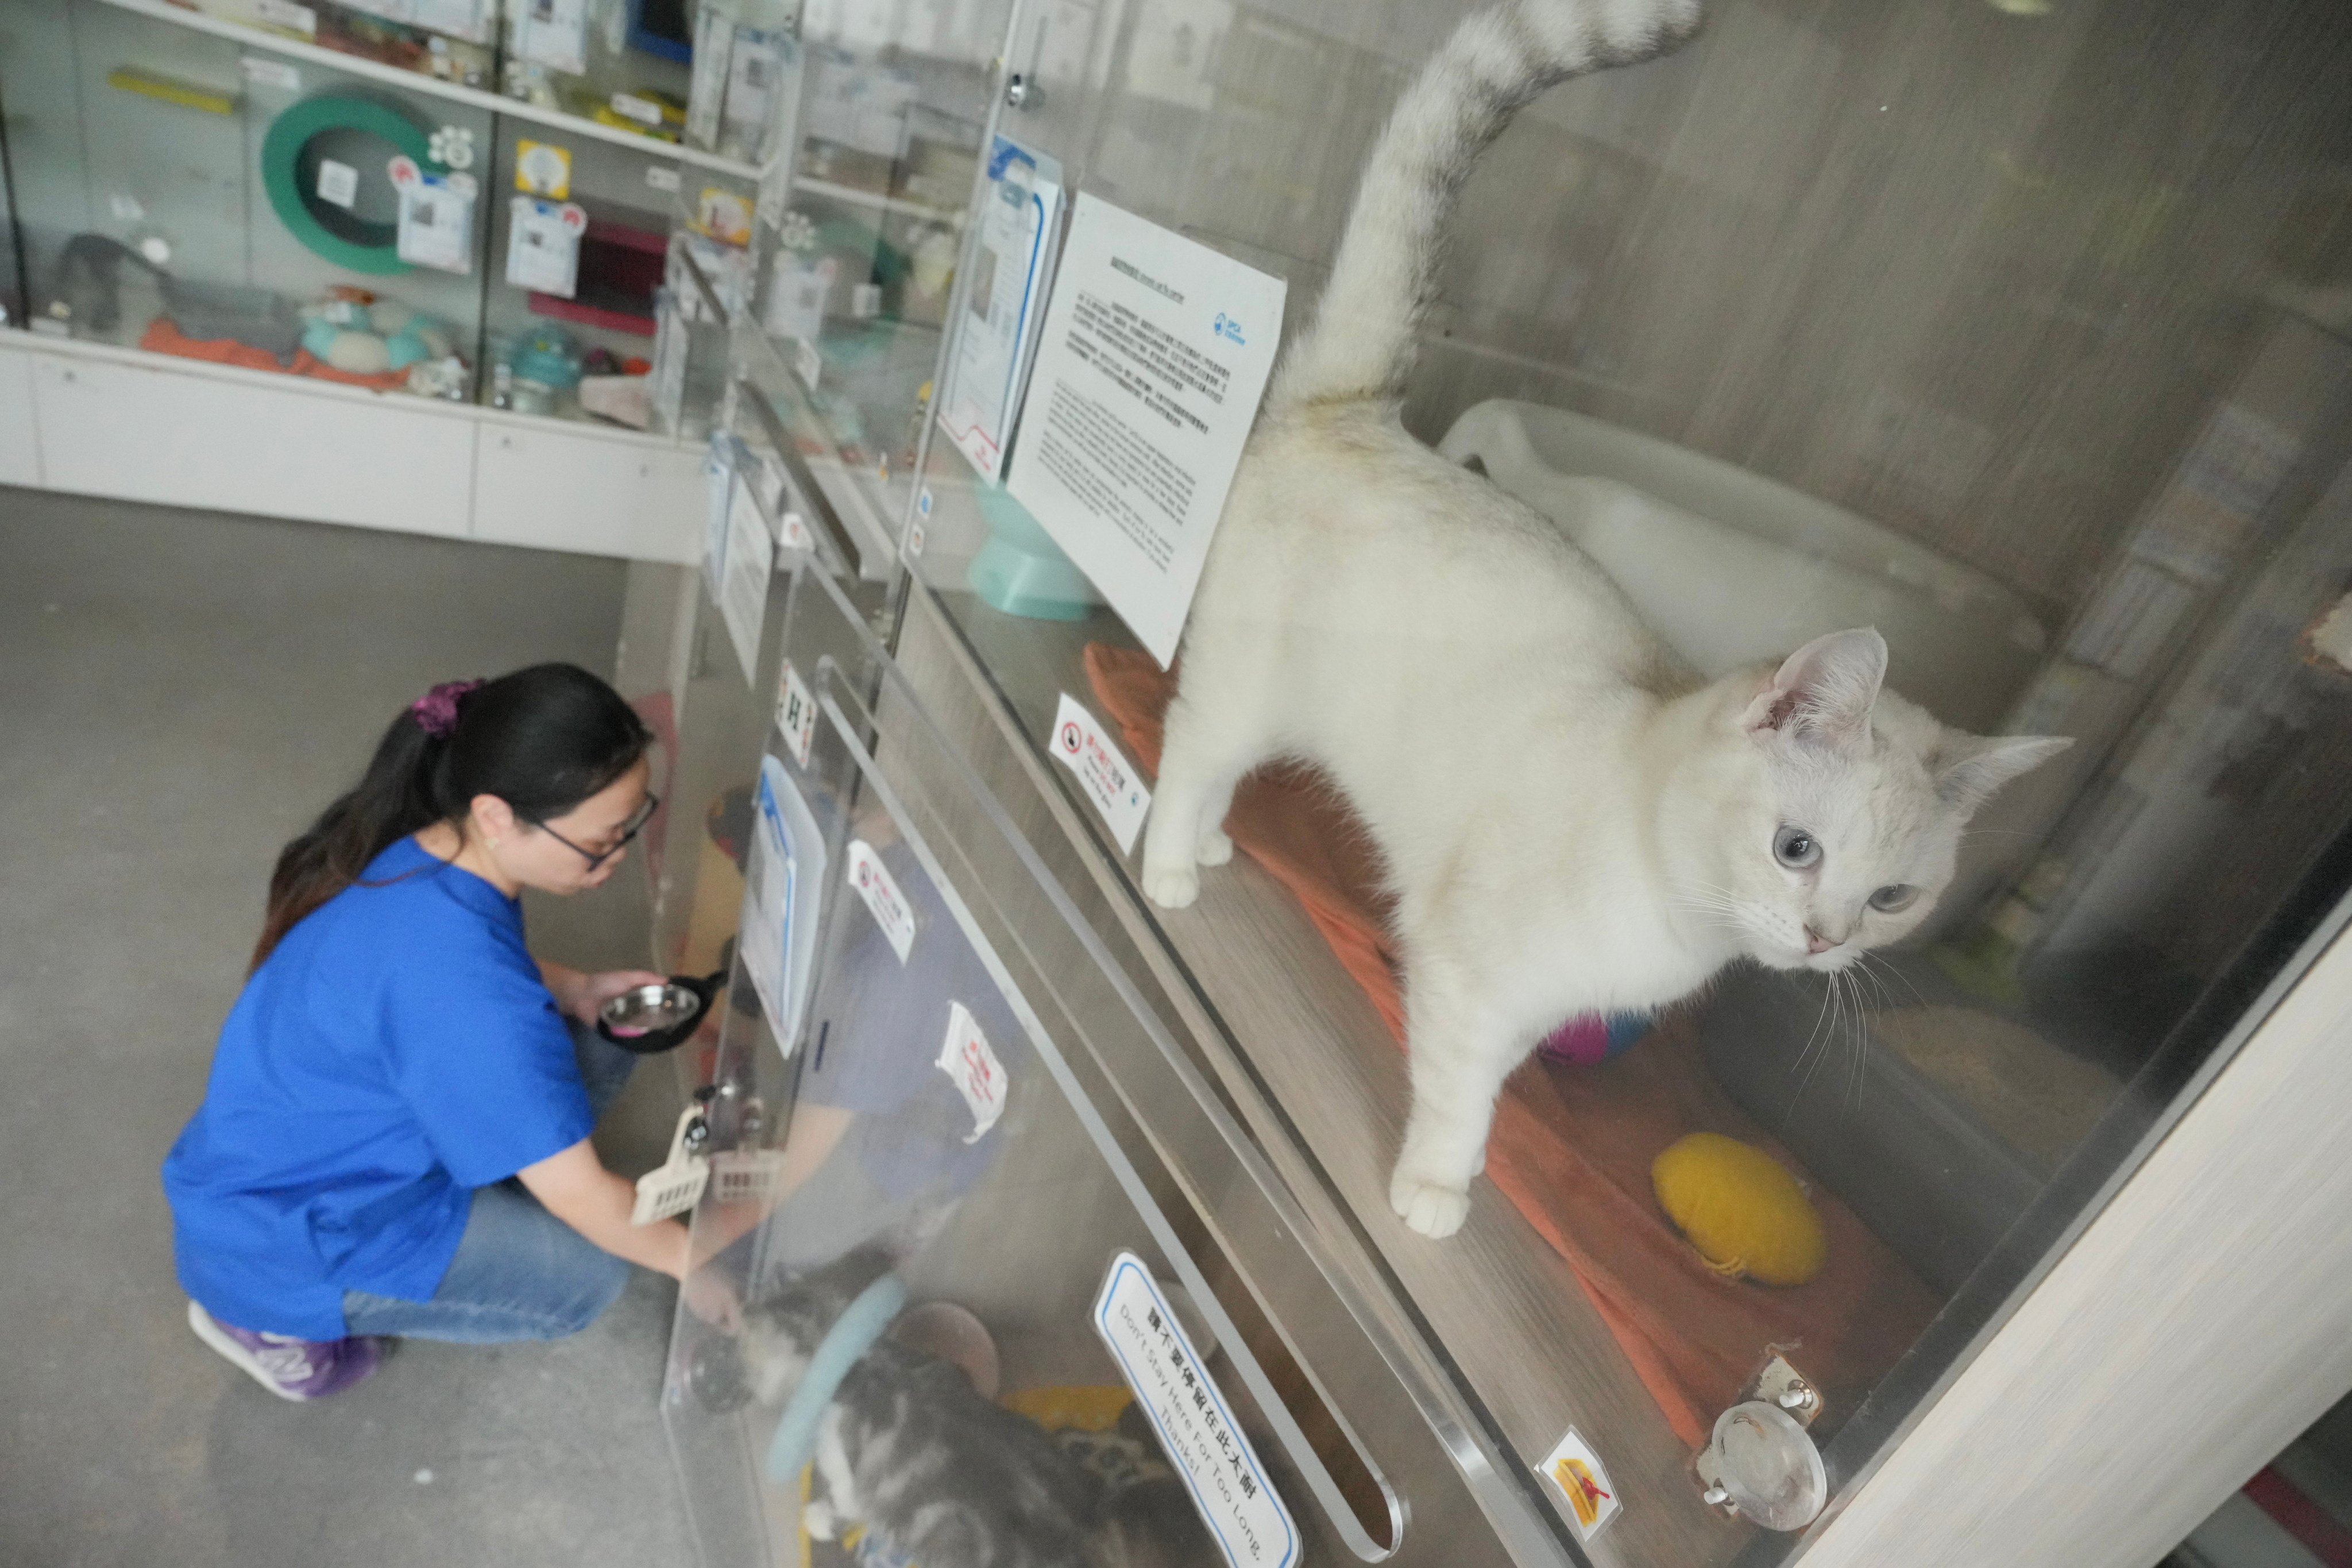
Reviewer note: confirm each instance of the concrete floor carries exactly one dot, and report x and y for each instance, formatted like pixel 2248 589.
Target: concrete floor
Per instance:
pixel 180 692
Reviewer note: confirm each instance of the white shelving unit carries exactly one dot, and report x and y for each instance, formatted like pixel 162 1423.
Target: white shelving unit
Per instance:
pixel 93 419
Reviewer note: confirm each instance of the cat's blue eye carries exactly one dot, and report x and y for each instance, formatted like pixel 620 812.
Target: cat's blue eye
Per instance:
pixel 1796 848
pixel 1895 898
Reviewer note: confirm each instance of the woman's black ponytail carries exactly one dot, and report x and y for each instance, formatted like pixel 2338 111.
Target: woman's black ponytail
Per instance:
pixel 543 740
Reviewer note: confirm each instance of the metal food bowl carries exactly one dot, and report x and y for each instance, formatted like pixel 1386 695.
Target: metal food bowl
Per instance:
pixel 657 1017
pixel 650 1009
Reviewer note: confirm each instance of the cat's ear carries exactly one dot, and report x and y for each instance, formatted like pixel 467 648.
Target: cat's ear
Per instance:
pixel 1969 768
pixel 1823 692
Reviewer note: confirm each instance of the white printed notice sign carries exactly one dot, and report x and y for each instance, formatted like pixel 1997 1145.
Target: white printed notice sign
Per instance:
pixel 1154 355
pixel 1195 1424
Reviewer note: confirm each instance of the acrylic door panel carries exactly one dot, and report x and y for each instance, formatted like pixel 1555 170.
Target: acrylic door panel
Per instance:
pixel 851 268
pixel 1108 1140
pixel 1934 320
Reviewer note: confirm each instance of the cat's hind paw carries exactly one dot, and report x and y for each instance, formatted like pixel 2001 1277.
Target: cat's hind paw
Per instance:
pixel 816 1519
pixel 1215 850
pixel 1433 1210
pixel 1171 886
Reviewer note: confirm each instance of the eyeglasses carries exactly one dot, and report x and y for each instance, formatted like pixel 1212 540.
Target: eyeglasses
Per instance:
pixel 636 825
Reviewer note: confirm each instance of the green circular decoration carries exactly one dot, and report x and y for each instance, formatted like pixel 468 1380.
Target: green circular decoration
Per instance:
pixel 288 156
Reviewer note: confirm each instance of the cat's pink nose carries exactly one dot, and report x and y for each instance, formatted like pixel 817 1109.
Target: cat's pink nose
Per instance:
pixel 1816 943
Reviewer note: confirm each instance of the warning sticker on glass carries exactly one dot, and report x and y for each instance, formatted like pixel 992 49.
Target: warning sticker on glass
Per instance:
pixel 972 1066
pixel 1194 1424
pixel 1080 745
pixel 880 890
pixel 1575 1470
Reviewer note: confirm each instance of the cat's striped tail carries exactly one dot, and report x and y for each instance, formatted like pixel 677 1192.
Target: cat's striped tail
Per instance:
pixel 1362 342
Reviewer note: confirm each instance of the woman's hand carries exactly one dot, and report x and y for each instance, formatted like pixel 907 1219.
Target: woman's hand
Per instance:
pixel 582 995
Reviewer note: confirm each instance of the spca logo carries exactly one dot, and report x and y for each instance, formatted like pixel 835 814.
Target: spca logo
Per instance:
pixel 1230 330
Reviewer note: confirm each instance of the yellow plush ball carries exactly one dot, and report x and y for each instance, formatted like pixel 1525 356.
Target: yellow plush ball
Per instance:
pixel 1742 1211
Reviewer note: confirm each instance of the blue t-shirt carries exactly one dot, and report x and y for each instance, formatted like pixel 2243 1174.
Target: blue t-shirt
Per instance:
pixel 395 1051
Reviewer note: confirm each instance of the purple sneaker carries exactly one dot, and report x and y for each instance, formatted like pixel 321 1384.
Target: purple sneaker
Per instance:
pixel 288 1367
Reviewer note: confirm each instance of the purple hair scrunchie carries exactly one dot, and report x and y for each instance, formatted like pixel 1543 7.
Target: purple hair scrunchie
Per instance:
pixel 435 713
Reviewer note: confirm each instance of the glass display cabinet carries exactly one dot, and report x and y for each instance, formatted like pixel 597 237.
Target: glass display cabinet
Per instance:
pixel 1940 325
pixel 341 193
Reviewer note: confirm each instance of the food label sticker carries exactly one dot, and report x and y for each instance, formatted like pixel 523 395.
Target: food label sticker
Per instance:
pixel 338 182
pixel 796 715
pixel 294 18
pixel 271 73
pixel 1080 745
pixel 643 111
pixel 554 32
pixel 436 217
pixel 1194 1424
pixel 1582 1483
pixel 660 177
pixel 542 169
pixel 543 246
pixel 743 585
pixel 743 509
pixel 972 1066
pixel 880 890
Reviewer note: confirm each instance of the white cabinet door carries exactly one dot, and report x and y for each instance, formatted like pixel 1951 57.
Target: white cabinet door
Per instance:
pixel 20 451
pixel 198 440
pixel 558 490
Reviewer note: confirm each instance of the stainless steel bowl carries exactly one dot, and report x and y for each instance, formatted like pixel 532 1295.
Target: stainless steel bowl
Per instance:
pixel 650 1009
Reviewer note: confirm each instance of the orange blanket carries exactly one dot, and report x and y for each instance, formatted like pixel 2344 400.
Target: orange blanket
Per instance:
pixel 1572 1145
pixel 164 337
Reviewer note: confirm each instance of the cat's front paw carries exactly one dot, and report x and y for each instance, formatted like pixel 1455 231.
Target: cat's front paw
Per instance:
pixel 1171 886
pixel 817 1519
pixel 1433 1210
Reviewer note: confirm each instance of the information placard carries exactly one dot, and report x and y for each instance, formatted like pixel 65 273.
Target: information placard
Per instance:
pixel 1012 271
pixel 1195 1426
pixel 1154 356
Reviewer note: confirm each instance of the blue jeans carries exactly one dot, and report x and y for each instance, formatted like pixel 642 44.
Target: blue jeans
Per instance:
pixel 520 1273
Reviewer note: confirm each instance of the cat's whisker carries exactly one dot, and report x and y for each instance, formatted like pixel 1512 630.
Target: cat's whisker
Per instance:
pixel 1829 994
pixel 1883 967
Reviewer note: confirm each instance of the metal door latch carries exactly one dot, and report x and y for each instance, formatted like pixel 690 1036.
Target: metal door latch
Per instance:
pixel 1760 1463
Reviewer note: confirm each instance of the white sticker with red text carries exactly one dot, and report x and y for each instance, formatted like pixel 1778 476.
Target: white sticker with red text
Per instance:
pixel 973 1068
pixel 880 890
pixel 1080 744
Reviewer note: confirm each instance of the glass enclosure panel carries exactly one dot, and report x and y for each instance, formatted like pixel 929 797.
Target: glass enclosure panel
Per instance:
pixel 852 276
pixel 2017 332
pixel 896 1102
pixel 194 195
pixel 547 349
pixel 189 189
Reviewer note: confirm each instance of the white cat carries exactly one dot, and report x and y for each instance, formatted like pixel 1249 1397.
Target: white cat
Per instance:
pixel 1571 820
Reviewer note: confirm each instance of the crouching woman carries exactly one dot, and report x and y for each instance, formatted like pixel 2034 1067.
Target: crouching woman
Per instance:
pixel 394 1140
